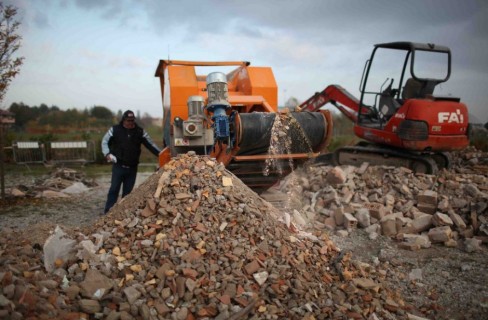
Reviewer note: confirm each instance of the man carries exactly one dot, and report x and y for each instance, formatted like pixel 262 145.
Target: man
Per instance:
pixel 121 145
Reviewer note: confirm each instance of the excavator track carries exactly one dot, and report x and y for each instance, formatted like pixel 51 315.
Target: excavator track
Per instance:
pixel 378 155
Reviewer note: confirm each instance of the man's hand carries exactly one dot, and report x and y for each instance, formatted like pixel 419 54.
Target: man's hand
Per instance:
pixel 111 158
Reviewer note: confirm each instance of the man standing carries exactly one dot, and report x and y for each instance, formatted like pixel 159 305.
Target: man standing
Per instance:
pixel 121 145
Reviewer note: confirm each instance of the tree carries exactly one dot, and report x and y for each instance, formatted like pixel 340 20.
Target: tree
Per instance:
pixel 101 113
pixel 292 103
pixel 43 109
pixel 9 44
pixel 23 113
pixel 9 67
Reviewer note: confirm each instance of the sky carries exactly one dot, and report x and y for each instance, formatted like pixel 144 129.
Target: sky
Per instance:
pixel 82 53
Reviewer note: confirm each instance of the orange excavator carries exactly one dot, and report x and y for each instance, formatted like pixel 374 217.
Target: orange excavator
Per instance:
pixel 234 118
pixel 402 123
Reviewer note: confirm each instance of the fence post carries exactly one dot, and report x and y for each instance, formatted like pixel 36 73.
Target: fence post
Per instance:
pixel 2 161
pixel 6 119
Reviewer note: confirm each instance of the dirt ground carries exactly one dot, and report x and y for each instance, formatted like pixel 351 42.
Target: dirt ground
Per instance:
pixel 446 283
pixel 40 216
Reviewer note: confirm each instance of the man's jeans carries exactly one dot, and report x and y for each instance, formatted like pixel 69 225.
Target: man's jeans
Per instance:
pixel 120 175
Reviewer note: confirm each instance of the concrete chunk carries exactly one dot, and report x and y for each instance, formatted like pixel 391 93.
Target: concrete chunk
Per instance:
pixel 427 208
pixel 373 228
pixel 376 210
pixel 362 168
pixel 440 234
pixel 388 227
pixel 427 197
pixel 132 294
pixel 349 221
pixel 414 317
pixel 389 200
pixel 336 176
pixel 422 240
pixel 90 306
pixel 472 190
pixel 471 245
pixel 457 220
pixel 441 219
pixel 330 223
pixel 405 190
pixel 422 223
pixel 347 196
pixel 95 285
pixel 362 215
pixel 339 216
pixel 443 205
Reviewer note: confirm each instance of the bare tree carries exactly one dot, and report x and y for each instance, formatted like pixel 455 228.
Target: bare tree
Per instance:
pixel 9 44
pixel 9 68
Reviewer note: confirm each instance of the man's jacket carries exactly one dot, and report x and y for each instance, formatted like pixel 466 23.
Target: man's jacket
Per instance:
pixel 125 144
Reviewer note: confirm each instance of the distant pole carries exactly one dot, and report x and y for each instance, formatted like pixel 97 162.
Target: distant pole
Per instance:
pixel 6 119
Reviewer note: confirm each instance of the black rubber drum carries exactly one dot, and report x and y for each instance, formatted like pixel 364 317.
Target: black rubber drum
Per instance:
pixel 304 130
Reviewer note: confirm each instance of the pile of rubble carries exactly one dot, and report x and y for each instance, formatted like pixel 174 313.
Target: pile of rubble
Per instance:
pixel 418 209
pixel 192 242
pixel 61 183
pixel 470 160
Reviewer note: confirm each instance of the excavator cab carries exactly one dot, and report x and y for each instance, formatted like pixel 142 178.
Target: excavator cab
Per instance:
pixel 397 72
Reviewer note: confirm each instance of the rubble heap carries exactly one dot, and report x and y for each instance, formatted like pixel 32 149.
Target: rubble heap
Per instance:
pixel 419 209
pixel 198 245
pixel 469 160
pixel 59 184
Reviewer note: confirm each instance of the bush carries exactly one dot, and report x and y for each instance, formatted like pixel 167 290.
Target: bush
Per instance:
pixel 479 138
pixel 341 141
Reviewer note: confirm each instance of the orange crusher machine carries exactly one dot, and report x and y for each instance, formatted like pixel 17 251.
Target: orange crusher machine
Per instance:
pixel 230 117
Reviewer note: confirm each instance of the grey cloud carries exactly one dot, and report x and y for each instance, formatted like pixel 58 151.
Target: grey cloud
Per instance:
pixel 109 9
pixel 344 28
pixel 251 32
pixel 327 22
pixel 93 4
pixel 41 20
pixel 346 17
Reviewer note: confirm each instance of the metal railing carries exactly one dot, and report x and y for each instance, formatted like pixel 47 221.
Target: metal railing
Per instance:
pixel 26 152
pixel 71 151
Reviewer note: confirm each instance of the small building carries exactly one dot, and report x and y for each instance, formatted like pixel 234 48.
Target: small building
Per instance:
pixel 6 117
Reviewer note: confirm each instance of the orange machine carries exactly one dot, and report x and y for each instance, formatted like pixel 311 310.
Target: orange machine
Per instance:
pixel 231 117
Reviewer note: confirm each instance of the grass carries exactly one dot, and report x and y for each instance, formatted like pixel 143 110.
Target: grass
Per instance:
pixel 341 141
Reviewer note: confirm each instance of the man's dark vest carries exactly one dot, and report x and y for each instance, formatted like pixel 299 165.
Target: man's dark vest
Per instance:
pixel 125 144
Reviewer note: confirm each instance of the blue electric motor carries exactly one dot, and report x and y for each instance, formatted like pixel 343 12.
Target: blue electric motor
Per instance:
pixel 217 103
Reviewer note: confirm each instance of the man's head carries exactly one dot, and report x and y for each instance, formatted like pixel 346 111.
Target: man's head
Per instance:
pixel 128 119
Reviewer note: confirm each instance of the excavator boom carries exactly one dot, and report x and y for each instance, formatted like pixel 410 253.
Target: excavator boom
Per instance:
pixel 339 97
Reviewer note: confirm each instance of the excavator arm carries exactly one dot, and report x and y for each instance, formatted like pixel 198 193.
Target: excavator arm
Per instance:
pixel 339 97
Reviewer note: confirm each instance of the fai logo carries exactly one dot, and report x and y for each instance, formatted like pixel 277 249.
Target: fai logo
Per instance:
pixel 450 117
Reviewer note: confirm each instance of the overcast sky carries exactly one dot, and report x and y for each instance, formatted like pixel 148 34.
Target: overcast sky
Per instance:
pixel 82 53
